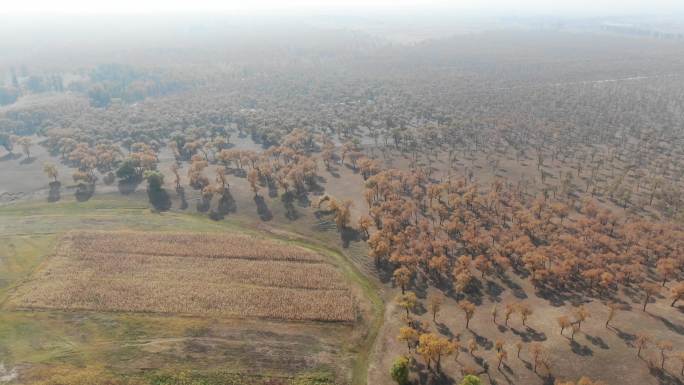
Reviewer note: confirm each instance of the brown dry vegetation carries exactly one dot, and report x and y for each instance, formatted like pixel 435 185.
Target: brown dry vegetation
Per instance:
pixel 138 272
pixel 184 244
pixel 549 188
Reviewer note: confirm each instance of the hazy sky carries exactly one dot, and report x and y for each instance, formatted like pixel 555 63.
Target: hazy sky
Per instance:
pixel 497 6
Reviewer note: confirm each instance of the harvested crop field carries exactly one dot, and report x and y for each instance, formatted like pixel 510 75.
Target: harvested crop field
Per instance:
pixel 198 274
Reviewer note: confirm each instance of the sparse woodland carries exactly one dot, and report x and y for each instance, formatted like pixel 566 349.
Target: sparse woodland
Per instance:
pixel 476 169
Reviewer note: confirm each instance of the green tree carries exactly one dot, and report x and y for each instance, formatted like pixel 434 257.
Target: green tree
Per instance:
pixel 127 171
pixel 155 190
pixel 471 380
pixel 155 180
pixel 400 370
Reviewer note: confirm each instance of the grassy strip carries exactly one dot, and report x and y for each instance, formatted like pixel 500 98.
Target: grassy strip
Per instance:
pixel 370 290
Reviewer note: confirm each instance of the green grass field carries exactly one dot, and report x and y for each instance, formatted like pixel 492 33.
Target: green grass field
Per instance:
pixel 164 349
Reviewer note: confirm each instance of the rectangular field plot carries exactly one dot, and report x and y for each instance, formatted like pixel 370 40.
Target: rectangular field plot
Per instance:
pixel 220 275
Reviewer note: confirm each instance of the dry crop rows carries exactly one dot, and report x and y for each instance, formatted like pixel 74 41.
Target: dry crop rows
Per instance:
pixel 184 244
pixel 231 275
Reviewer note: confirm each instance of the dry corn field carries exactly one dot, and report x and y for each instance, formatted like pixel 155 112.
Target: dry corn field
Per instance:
pixel 223 275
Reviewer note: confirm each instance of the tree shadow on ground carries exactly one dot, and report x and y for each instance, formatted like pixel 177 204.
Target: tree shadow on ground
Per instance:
pixel 527 364
pixel 54 194
pixel 420 287
pixel 433 377
pixel 9 156
pixel 272 189
pixel 384 271
pixel 516 289
pixel 444 330
pixel 632 294
pixel 483 341
pixel 84 192
pixel 303 200
pixel 627 337
pixel 582 350
pixel 679 329
pixel 316 186
pixel 506 369
pixel 28 160
pixel 596 341
pixel 181 195
pixel 664 378
pixel 529 334
pixel 159 199
pixel 419 309
pixel 109 178
pixel 204 204
pixel 558 297
pixel 263 211
pixel 474 295
pixel 520 271
pixel 493 291
pixel 349 235
pixel 333 171
pixel 288 202
pixel 481 362
pixel 226 204
pixel 554 297
pixel 128 186
pixel 238 172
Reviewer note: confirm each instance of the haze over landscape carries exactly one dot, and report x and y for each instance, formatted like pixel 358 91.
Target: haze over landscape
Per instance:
pixel 342 192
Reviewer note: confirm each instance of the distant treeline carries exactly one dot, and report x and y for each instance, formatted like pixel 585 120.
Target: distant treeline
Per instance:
pixel 8 95
pixel 105 84
pixel 637 31
pixel 111 82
